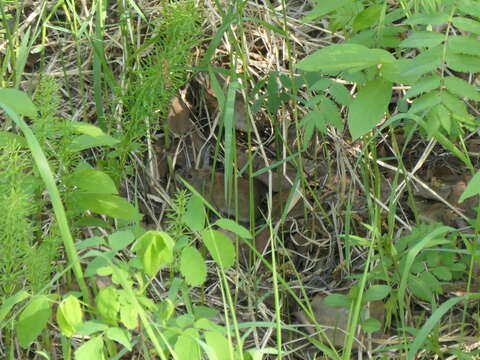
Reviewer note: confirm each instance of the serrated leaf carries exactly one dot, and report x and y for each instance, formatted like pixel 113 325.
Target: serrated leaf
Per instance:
pixel 331 114
pixel 69 316
pixel 423 63
pixel 108 304
pixel 438 18
pixel 106 204
pixel 340 94
pixel 18 101
pixel 377 292
pixel 440 115
pixel 421 39
pixel 121 336
pixel 425 84
pixel 344 57
pixel 425 102
pixel 220 247
pixel 323 8
pixel 195 214
pixel 461 88
pixel 192 266
pixel 472 189
pixel 155 248
pixel 464 45
pixel 234 227
pixel 338 300
pixel 91 180
pixel 33 320
pixel 368 107
pixel 467 24
pixel 91 350
pixel 463 63
pixel 456 106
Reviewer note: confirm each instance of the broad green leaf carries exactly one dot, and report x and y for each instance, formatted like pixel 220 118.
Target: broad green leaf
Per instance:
pixel 470 7
pixel 461 88
pixel 195 214
pixel 367 17
pixel 108 304
pixel 121 336
pixel 456 106
pixel 106 204
pixel 93 181
pixel 467 24
pixel 7 137
pixel 18 101
pixel 330 113
pixel 128 315
pixel 87 328
pixel 69 316
pixel 220 247
pixel 442 273
pixel 91 350
pixel 338 300
pixel 219 344
pixel 472 189
pixel 86 129
pixel 192 266
pixel 155 248
pixel 90 242
pixel 234 227
pixel 10 302
pixel 186 347
pixel 371 325
pixel 368 107
pixel 426 102
pixel 420 39
pixel 323 8
pixel 83 142
pixel 344 57
pixel 423 63
pixel 464 45
pixel 437 18
pixel 120 240
pixel 463 63
pixel 440 115
pixel 425 84
pixel 419 288
pixel 340 94
pixel 377 292
pixel 394 72
pixel 33 320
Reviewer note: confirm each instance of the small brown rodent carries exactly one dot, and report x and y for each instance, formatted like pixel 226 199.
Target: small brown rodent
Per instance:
pixel 213 190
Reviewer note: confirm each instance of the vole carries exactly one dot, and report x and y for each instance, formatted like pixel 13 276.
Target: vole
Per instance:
pixel 213 190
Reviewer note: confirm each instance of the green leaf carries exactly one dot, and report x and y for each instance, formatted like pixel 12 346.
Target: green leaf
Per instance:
pixel 437 18
pixel 219 344
pixel 377 292
pixel 344 57
pixel 368 107
pixel 234 227
pixel 425 84
pixel 155 248
pixel 421 39
pixel 340 94
pixel 330 113
pixel 93 181
pixel 467 24
pixel 186 347
pixel 120 240
pixel 7 137
pixel 426 102
pixel 472 189
pixel 442 273
pixel 425 62
pixel 461 88
pixel 106 204
pixel 91 350
pixel 470 7
pixel 464 45
pixel 87 328
pixel 121 336
pixel 220 247
pixel 10 302
pixel 439 115
pixel 69 316
pixel 323 8
pixel 463 63
pixel 195 214
pixel 419 289
pixel 128 314
pixel 33 320
pixel 371 325
pixel 456 106
pixel 108 304
pixel 18 101
pixel 338 300
pixel 367 18
pixel 193 267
